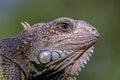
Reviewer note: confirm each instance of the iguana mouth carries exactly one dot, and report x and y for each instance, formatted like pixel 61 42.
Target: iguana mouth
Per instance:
pixel 71 60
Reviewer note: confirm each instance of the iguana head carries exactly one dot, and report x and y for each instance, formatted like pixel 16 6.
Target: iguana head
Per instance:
pixel 63 47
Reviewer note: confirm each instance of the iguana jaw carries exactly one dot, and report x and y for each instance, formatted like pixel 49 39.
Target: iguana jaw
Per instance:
pixel 71 63
pixel 74 53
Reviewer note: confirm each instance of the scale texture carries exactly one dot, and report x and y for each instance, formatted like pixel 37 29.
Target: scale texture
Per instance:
pixel 56 50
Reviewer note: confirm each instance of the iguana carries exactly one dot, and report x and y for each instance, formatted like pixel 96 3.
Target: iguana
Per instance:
pixel 56 50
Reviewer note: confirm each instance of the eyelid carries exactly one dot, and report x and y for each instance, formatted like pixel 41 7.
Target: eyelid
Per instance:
pixel 70 27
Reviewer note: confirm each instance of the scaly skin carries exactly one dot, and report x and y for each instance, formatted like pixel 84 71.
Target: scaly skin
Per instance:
pixel 47 51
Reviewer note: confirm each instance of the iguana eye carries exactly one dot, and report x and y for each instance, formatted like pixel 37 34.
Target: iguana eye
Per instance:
pixel 64 27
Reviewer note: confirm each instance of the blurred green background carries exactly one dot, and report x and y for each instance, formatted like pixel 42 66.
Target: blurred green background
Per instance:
pixel 103 14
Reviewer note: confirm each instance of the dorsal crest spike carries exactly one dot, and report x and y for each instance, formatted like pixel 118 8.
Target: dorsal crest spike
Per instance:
pixel 25 25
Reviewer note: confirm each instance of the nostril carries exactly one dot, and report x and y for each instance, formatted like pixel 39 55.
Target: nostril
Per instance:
pixel 93 29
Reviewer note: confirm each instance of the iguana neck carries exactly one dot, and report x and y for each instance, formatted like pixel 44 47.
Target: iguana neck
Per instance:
pixel 31 42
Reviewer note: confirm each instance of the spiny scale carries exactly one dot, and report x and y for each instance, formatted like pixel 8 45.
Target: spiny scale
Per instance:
pixel 82 65
pixel 25 25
